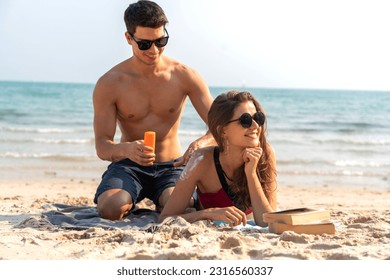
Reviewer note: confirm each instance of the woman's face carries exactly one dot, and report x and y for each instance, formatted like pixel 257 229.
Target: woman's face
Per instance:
pixel 236 134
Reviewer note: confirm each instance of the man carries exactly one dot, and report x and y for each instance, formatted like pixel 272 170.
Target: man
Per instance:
pixel 146 92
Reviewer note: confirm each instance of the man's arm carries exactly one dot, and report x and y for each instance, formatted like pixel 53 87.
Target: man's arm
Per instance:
pixel 105 117
pixel 201 99
pixel 104 121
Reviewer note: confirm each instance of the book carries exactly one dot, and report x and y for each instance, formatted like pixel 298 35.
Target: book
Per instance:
pixel 312 228
pixel 296 216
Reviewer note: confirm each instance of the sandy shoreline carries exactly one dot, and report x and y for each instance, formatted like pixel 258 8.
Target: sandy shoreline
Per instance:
pixel 362 217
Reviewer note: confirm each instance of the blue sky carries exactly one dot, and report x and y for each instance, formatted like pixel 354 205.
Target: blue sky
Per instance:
pixel 341 44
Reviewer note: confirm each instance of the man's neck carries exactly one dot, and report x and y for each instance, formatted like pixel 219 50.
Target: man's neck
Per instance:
pixel 146 69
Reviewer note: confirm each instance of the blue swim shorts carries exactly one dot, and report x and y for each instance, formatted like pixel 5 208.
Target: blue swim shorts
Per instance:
pixel 140 181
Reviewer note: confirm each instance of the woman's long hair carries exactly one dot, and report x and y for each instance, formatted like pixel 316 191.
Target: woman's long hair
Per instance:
pixel 220 113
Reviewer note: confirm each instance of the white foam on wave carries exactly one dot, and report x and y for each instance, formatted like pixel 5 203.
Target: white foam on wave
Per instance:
pixel 50 156
pixel 45 130
pixel 345 163
pixel 64 141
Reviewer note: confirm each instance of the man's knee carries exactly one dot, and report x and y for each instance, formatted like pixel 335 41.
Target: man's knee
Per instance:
pixel 114 204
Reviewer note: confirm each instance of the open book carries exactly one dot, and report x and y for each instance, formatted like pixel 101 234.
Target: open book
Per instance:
pixel 296 216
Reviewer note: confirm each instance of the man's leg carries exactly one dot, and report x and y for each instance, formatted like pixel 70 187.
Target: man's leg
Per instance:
pixel 166 182
pixel 163 199
pixel 114 204
pixel 118 191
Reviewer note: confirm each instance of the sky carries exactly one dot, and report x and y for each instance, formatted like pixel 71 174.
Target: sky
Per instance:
pixel 330 44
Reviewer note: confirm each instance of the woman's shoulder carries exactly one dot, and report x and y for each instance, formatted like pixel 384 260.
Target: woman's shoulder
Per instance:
pixel 203 155
pixel 204 152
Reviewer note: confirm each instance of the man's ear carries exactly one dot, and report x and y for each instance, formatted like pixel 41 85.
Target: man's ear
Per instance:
pixel 128 37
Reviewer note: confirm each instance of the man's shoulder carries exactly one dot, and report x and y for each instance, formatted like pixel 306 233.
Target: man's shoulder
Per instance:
pixel 111 77
pixel 111 82
pixel 115 74
pixel 116 77
pixel 177 66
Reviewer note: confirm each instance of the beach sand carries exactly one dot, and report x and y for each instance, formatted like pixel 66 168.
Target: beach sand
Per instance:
pixel 362 218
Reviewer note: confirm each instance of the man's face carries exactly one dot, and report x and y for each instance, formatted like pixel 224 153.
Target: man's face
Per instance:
pixel 148 43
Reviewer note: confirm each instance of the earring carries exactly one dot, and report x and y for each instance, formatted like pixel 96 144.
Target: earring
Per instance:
pixel 226 146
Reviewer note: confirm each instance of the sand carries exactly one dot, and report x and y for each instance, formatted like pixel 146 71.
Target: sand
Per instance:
pixel 362 217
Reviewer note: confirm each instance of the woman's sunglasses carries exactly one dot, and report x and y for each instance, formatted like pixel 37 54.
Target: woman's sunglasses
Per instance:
pixel 246 119
pixel 144 45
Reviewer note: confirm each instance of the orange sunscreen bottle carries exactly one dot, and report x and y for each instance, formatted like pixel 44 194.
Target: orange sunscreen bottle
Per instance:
pixel 150 139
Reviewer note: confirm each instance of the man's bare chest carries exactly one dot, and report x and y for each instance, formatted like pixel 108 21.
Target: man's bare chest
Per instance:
pixel 136 106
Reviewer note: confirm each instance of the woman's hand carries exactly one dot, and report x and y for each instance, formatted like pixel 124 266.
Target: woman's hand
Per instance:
pixel 231 215
pixel 251 157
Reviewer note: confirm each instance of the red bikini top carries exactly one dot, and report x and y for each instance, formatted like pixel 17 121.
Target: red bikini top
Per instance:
pixel 216 200
pixel 219 199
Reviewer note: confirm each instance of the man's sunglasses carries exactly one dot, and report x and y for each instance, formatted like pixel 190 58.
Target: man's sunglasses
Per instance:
pixel 246 119
pixel 144 45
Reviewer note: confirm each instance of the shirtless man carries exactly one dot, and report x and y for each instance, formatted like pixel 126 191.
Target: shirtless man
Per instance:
pixel 148 91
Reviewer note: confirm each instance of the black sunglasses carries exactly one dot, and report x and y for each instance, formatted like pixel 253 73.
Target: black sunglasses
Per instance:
pixel 144 45
pixel 246 119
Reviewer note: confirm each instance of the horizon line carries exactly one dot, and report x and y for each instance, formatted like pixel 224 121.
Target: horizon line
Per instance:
pixel 215 86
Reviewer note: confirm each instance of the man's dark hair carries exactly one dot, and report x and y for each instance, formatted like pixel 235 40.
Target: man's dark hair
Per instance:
pixel 146 14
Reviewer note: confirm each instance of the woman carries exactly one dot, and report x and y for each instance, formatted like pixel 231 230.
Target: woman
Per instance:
pixel 238 177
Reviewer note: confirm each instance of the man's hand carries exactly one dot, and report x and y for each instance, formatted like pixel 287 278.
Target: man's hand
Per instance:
pixel 204 141
pixel 141 154
pixel 186 157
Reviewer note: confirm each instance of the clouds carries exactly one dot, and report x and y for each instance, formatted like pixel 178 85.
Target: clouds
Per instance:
pixel 304 44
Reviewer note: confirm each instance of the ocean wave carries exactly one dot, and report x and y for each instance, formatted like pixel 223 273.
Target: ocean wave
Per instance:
pixel 304 162
pixel 310 163
pixel 345 123
pixel 45 130
pixel 319 129
pixel 373 173
pixel 81 129
pixel 26 141
pixel 197 133
pixel 11 113
pixel 49 156
pixel 355 141
pixel 352 163
pixel 64 141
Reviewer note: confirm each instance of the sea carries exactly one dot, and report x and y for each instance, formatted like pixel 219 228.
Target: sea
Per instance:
pixel 322 138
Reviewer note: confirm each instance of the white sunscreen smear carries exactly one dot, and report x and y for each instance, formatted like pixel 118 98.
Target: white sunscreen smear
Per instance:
pixel 192 163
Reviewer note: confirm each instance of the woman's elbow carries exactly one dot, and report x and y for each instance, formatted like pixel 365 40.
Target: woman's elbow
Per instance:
pixel 160 220
pixel 262 224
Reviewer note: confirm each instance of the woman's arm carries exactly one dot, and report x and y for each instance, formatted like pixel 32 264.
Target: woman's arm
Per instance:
pixel 178 201
pixel 185 186
pixel 260 203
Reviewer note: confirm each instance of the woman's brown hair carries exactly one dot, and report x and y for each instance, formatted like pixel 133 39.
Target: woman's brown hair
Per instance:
pixel 221 111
